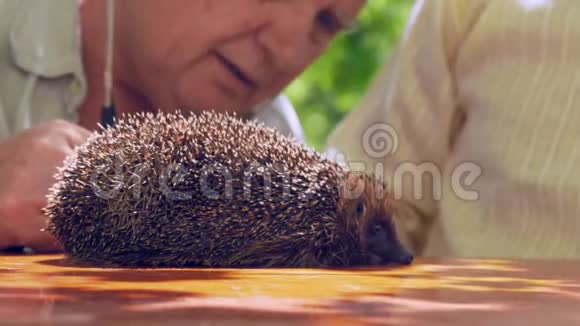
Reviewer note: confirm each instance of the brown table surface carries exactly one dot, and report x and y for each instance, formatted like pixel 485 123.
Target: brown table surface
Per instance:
pixel 41 290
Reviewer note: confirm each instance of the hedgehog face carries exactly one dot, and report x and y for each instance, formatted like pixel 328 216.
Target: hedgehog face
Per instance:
pixel 369 215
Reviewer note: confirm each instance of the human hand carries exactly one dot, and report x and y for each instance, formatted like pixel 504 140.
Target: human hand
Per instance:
pixel 28 164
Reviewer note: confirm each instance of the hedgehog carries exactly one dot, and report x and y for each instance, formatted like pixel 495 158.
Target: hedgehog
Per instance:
pixel 212 190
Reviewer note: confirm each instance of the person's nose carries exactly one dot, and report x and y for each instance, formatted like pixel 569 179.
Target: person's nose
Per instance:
pixel 291 38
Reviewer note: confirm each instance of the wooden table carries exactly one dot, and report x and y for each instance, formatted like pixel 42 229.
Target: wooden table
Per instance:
pixel 41 290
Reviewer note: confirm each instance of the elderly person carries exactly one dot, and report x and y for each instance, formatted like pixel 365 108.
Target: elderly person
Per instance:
pixel 479 110
pixel 167 55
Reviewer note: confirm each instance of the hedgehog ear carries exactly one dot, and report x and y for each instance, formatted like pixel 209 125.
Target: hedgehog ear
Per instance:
pixel 352 187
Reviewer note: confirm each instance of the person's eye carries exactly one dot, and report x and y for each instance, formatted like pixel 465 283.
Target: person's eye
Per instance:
pixel 329 21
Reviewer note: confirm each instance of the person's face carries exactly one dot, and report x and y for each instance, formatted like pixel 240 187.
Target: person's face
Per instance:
pixel 223 55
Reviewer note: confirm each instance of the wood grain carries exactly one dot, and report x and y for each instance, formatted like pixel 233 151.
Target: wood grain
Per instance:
pixel 42 290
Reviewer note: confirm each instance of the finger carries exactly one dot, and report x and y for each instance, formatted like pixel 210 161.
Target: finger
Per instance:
pixel 60 130
pixel 34 183
pixel 7 238
pixel 79 135
pixel 75 136
pixel 31 227
pixel 43 242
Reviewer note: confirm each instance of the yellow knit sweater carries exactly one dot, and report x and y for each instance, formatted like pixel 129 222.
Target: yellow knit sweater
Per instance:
pixel 485 94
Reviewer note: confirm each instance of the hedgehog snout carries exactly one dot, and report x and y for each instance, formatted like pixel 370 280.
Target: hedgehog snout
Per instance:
pixel 383 247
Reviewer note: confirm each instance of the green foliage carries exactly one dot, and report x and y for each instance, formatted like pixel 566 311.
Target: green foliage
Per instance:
pixel 335 83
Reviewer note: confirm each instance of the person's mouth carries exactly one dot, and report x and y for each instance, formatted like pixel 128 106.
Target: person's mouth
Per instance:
pixel 236 71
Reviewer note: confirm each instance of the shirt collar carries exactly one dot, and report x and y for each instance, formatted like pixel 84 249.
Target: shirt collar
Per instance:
pixel 45 38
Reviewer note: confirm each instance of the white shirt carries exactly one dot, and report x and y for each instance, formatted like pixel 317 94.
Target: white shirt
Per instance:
pixel 41 71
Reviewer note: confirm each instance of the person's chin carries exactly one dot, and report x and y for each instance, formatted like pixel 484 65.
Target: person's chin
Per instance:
pixel 210 85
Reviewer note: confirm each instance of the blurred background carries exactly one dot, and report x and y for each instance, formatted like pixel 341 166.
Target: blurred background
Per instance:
pixel 331 87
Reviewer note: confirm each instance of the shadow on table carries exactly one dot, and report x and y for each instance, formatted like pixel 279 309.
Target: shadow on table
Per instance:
pixel 133 274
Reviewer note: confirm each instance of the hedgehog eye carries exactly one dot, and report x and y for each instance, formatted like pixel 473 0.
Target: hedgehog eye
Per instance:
pixel 360 209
